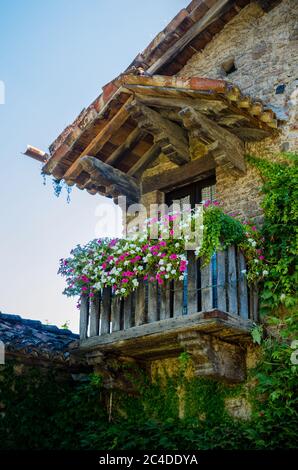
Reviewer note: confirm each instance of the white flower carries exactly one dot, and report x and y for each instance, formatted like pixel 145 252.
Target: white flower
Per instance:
pixel 113 280
pixel 169 267
pixel 166 276
pixel 126 263
pixel 177 245
pixel 162 268
pixel 117 291
pixel 149 255
pixel 243 271
pixel 173 271
pixel 256 261
pixel 123 290
pixel 161 261
pixel 135 282
pixel 265 272
pixel 181 277
pixel 282 297
pixel 140 268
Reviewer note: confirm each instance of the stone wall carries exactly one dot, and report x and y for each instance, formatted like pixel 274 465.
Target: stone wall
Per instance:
pixel 264 48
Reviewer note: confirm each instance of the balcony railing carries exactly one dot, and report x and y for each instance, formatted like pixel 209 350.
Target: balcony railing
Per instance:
pixel 220 285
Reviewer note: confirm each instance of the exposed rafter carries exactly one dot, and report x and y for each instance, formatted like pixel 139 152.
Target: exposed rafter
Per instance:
pixel 98 142
pixel 169 136
pixel 144 161
pixel 102 174
pixel 229 147
pixel 132 140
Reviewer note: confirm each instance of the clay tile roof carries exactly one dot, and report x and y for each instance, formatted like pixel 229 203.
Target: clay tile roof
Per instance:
pixel 32 339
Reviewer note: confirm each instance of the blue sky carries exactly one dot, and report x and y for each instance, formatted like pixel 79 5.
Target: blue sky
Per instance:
pixel 55 55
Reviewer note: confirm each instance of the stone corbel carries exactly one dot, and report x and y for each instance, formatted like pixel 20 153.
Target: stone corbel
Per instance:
pixel 214 358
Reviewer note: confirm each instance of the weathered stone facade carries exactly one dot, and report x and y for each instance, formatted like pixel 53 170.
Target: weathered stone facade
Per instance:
pixel 263 48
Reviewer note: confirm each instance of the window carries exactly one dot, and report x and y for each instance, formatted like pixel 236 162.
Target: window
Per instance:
pixel 194 193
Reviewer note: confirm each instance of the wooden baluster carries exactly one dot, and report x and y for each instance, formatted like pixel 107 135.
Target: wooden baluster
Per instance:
pixel 115 312
pixel 206 286
pixel 221 281
pixel 84 316
pixel 232 281
pixel 127 312
pixel 140 312
pixel 105 311
pixel 152 302
pixel 178 299
pixel 192 275
pixel 94 315
pixel 243 297
pixel 165 293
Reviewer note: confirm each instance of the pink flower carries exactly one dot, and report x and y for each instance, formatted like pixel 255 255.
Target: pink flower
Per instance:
pixel 261 257
pixel 173 256
pixel 173 217
pixel 144 247
pixel 110 258
pixel 154 248
pixel 162 243
pixel 182 267
pixel 171 232
pixel 104 265
pixel 121 258
pixel 207 203
pixel 254 228
pixel 160 281
pixel 145 277
pixel 216 203
pixel 124 281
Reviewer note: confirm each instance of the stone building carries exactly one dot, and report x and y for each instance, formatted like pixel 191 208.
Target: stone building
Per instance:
pixel 219 82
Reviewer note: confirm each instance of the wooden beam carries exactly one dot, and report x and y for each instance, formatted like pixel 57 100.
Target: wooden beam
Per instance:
pixel 134 137
pixel 98 142
pixel 192 171
pixel 201 104
pixel 169 136
pixel 230 148
pixel 102 174
pixel 141 165
pixel 197 28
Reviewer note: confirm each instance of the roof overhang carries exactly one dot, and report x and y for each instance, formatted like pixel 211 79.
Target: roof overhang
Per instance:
pixel 136 118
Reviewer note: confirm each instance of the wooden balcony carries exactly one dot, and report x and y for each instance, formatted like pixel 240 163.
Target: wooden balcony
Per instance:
pixel 209 314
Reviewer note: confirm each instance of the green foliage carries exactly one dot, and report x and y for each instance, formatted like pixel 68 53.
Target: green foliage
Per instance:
pixel 257 333
pixel 220 231
pixel 42 413
pixel 280 229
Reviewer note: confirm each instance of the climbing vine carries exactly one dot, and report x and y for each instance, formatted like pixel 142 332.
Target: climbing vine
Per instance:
pixel 280 229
